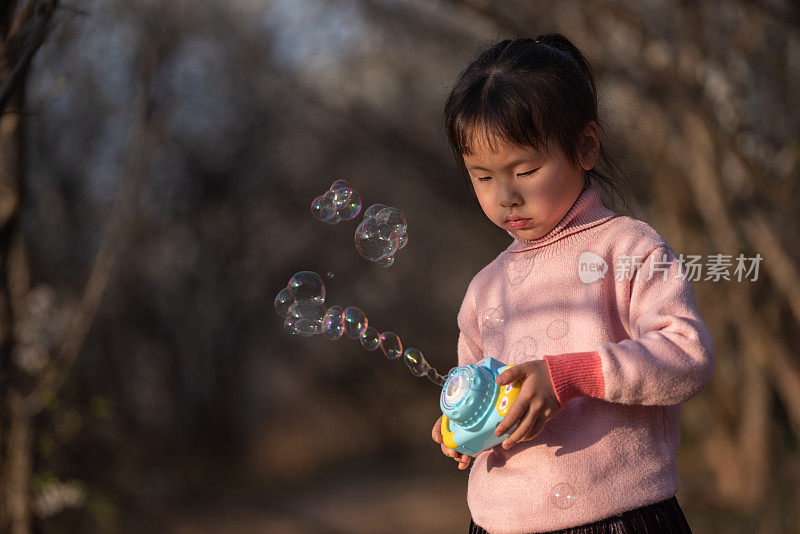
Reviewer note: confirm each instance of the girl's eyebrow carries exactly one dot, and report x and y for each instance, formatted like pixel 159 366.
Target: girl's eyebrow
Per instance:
pixel 512 164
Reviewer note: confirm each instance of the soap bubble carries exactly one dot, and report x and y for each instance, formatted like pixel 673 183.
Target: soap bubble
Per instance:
pixel 307 315
pixel 339 203
pixel 307 285
pixel 302 305
pixel 355 322
pixel 333 323
pixel 386 262
pixel 290 325
pixel 330 275
pixel 370 339
pixel 283 301
pixel 493 318
pixel 415 361
pixel 563 495
pixel 323 208
pixel 381 234
pixel 391 345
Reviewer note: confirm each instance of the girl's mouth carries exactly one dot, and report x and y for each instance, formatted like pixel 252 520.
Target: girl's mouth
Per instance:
pixel 517 223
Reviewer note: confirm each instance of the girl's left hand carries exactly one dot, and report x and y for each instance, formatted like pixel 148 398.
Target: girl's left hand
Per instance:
pixel 536 404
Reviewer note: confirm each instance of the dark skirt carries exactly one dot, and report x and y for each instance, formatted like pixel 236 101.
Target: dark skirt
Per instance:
pixel 664 516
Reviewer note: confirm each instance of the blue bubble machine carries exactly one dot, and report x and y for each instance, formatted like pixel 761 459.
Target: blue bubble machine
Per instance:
pixel 473 404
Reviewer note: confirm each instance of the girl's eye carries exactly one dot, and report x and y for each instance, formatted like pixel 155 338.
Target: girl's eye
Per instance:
pixel 484 178
pixel 529 172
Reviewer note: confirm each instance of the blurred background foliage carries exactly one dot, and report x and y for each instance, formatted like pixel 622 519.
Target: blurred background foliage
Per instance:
pixel 158 163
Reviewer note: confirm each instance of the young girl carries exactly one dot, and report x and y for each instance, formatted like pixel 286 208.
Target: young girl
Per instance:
pixel 590 306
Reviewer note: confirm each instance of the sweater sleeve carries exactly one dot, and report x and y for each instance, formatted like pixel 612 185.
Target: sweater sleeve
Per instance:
pixel 670 356
pixel 469 337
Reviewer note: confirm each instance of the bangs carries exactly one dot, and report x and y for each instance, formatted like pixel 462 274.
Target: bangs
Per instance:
pixel 506 117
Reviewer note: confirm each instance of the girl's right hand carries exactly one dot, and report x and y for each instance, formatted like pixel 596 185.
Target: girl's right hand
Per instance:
pixel 462 459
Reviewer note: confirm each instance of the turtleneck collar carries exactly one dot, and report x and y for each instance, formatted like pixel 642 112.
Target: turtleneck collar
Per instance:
pixel 587 211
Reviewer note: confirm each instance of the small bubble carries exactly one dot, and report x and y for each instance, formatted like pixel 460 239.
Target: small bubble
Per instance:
pixel 370 339
pixel 330 275
pixel 415 362
pixel 307 315
pixel 493 318
pixel 391 345
pixel 563 495
pixel 355 322
pixel 333 323
pixel 386 262
pixel 283 301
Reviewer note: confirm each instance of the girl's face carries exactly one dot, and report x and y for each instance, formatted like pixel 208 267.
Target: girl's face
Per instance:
pixel 525 191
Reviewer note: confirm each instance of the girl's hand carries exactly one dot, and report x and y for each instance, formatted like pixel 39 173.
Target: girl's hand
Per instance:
pixel 462 459
pixel 536 404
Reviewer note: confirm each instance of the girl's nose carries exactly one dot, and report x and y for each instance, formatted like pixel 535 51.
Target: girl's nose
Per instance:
pixel 509 196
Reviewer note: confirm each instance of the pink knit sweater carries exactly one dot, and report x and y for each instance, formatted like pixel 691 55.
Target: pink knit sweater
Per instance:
pixel 625 346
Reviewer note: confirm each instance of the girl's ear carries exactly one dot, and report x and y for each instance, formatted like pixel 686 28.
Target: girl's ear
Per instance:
pixel 589 146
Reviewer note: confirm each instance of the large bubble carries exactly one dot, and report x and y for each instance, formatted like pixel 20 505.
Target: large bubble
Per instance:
pixel 381 234
pixel 339 203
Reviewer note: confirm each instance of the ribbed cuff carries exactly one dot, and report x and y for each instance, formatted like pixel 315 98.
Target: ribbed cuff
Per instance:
pixel 576 374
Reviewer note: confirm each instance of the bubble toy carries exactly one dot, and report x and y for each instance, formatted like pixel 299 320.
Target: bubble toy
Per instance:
pixel 381 234
pixel 473 404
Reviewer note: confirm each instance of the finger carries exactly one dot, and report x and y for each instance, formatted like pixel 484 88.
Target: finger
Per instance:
pixel 436 431
pixel 508 376
pixel 536 428
pixel 524 426
pixel 514 413
pixel 450 452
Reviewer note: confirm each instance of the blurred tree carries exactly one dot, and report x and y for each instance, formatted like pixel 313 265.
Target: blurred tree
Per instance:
pixel 23 26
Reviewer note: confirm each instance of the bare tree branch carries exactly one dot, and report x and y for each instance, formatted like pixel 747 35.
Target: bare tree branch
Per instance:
pixel 32 41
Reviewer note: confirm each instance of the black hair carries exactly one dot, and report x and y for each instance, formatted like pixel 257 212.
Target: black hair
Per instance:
pixel 526 92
